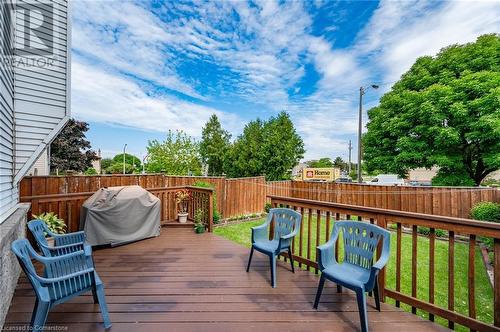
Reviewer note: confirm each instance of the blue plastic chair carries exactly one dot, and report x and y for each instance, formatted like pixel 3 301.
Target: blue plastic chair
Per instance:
pixel 63 243
pixel 64 277
pixel 357 272
pixel 286 226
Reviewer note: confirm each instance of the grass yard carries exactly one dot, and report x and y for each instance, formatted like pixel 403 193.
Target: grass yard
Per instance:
pixel 241 233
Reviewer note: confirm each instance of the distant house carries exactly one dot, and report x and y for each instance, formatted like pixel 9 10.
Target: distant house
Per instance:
pixel 34 107
pixel 34 88
pixel 42 165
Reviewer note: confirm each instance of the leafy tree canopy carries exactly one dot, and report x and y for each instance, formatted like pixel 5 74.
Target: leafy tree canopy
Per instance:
pixel 270 147
pixel 70 150
pixel 321 163
pixel 214 145
pixel 129 159
pixel 177 155
pixel 444 111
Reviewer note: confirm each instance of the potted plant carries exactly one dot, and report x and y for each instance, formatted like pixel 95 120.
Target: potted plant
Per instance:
pixel 199 225
pixel 182 198
pixel 54 223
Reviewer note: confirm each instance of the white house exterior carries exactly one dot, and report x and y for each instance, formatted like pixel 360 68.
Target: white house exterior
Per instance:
pixel 34 106
pixel 34 87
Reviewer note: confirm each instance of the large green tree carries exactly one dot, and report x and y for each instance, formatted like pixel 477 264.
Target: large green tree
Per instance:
pixel 320 163
pixel 214 146
pixel 444 111
pixel 177 155
pixel 270 147
pixel 70 150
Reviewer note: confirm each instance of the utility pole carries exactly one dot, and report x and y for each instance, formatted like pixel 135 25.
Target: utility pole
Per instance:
pixel 350 149
pixel 362 91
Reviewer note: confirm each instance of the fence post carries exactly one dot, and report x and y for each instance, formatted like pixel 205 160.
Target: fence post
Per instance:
pixel 496 288
pixel 210 210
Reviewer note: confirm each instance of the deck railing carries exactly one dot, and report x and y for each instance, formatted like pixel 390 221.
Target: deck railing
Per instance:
pixel 318 219
pixel 68 206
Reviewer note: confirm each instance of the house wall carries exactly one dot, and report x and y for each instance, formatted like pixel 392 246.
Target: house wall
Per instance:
pixel 8 192
pixel 41 99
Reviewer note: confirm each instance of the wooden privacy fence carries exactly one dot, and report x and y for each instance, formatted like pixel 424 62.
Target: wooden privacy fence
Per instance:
pixel 68 206
pixel 445 201
pixel 233 196
pixel 317 223
pixel 248 195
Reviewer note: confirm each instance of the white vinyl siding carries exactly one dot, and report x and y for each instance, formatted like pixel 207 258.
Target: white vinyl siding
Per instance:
pixel 34 101
pixel 41 103
pixel 8 193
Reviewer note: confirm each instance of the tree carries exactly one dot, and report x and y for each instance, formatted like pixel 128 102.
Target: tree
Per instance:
pixel 214 146
pixel 70 150
pixel 245 158
pixel 270 147
pixel 105 163
pixel 177 155
pixel 117 168
pixel 321 163
pixel 340 163
pixel 444 111
pixel 130 159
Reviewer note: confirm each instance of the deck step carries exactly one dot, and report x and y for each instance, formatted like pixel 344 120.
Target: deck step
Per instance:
pixel 176 224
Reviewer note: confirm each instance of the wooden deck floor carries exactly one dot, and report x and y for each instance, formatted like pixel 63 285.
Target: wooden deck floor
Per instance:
pixel 181 281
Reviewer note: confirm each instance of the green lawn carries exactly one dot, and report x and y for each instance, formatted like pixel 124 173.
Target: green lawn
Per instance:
pixel 240 233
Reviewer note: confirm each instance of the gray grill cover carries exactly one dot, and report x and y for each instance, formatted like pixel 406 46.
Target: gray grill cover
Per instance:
pixel 118 215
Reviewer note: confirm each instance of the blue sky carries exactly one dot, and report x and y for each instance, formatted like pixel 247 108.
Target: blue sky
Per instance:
pixel 142 68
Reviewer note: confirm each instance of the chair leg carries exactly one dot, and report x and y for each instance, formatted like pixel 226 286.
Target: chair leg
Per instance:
pixel 250 259
pixel 272 261
pixel 291 258
pixel 94 295
pixel 361 297
pixel 40 316
pixel 33 315
pixel 319 291
pixel 104 307
pixel 339 289
pixel 377 296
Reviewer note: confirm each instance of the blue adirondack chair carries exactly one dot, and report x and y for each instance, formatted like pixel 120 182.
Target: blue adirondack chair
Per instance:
pixel 286 226
pixel 357 272
pixel 64 277
pixel 63 243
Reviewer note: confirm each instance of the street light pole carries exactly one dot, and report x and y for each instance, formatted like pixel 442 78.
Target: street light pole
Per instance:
pixel 124 147
pixel 362 91
pixel 360 128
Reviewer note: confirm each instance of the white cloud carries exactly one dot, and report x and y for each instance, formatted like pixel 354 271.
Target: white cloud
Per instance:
pixel 400 32
pixel 107 97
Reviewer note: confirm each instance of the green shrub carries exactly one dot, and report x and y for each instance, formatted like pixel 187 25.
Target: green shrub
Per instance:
pixel 216 214
pixel 486 211
pixel 267 207
pixel 199 225
pixel 53 222
pixel 90 171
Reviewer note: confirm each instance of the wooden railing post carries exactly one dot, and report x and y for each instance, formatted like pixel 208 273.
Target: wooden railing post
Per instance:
pixel 210 211
pixel 381 221
pixel 496 288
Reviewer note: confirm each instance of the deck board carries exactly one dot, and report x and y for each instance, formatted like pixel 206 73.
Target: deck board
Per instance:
pixel 182 281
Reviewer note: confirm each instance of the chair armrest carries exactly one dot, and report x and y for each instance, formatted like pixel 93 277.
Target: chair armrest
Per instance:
pixel 70 238
pixel 48 281
pixel 326 252
pixel 261 232
pixel 380 263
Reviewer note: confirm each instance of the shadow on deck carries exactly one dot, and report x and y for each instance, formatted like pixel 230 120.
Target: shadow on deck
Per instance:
pixel 181 281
